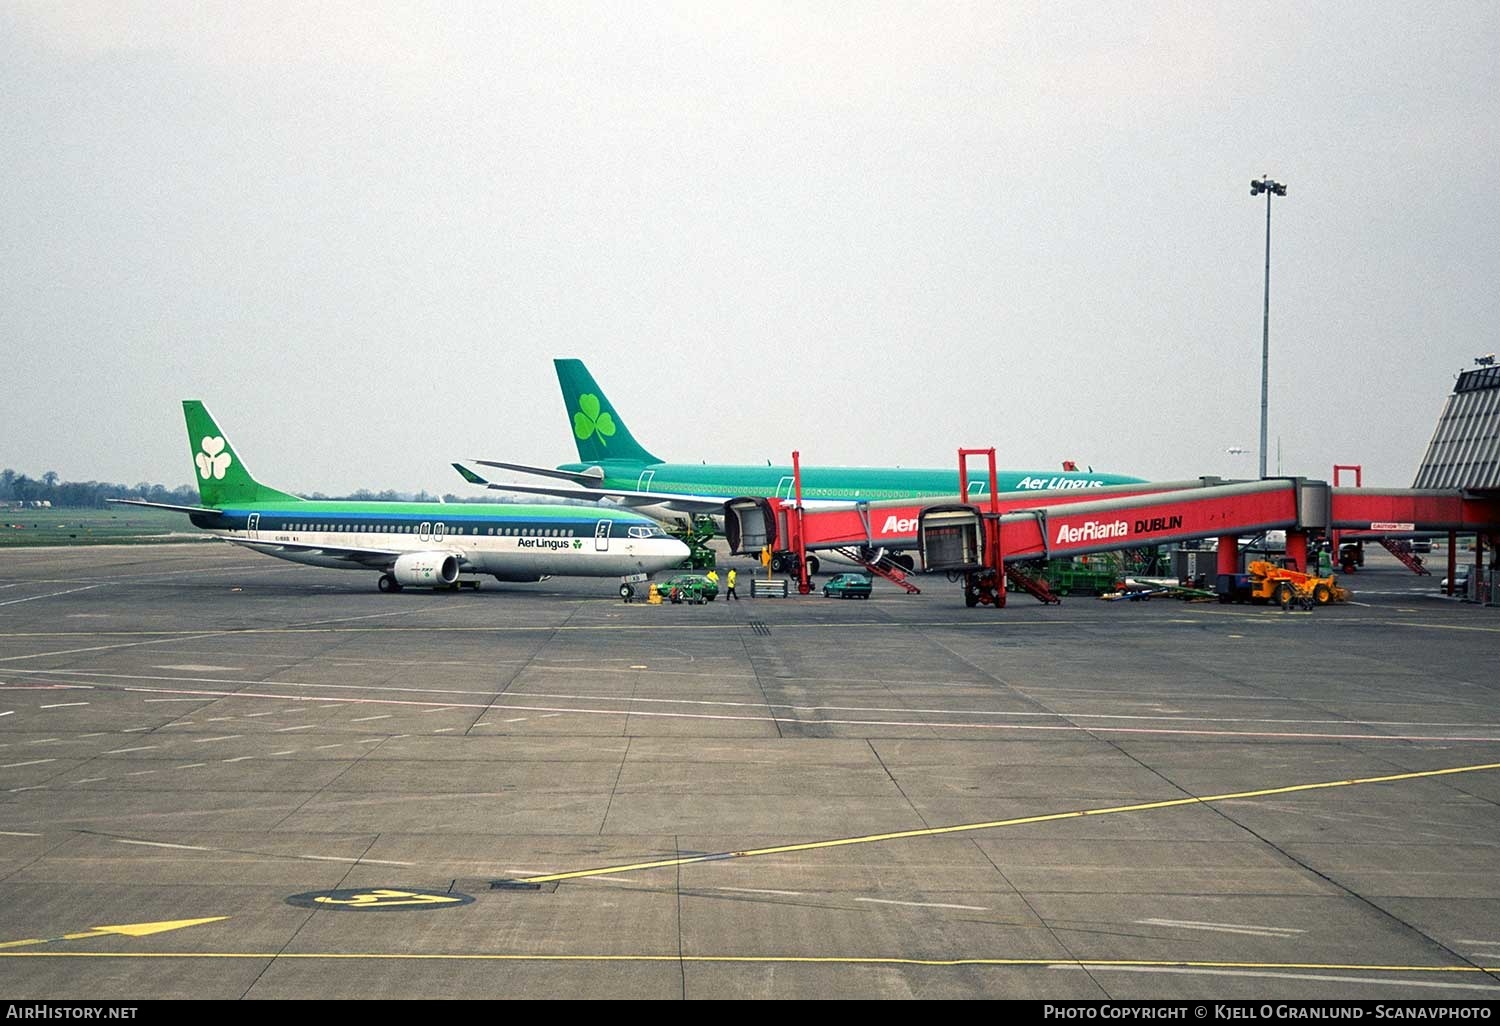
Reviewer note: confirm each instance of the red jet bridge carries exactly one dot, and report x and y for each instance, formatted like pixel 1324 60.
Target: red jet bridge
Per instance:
pixel 964 539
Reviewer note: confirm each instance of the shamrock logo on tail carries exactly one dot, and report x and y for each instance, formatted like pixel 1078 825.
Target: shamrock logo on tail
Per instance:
pixel 213 460
pixel 590 421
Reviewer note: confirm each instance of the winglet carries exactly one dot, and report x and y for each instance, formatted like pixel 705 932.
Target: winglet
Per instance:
pixel 469 475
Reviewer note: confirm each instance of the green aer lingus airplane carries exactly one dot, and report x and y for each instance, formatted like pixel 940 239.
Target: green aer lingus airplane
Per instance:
pixel 426 544
pixel 613 465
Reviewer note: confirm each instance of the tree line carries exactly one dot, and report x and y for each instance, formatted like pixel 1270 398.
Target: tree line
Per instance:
pixel 49 487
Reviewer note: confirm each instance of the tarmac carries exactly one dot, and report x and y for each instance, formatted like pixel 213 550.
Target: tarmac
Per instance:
pixel 224 776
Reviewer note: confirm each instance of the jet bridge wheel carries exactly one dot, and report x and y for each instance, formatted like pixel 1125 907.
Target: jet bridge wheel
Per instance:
pixel 388 583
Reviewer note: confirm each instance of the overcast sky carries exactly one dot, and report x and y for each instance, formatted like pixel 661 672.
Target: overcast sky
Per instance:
pixel 874 232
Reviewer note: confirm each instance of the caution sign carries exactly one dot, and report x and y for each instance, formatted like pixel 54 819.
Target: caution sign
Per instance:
pixel 379 899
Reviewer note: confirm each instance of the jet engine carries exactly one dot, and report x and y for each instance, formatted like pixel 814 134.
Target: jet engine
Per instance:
pixel 425 569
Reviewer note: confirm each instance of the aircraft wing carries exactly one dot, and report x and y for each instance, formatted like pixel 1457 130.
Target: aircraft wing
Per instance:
pixel 375 559
pixel 163 505
pixel 625 497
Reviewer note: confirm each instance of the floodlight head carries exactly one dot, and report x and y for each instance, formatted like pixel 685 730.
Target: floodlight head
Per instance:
pixel 1278 188
pixel 1256 188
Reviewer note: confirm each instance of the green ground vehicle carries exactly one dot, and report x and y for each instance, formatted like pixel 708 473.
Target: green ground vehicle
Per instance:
pixel 689 588
pixel 848 586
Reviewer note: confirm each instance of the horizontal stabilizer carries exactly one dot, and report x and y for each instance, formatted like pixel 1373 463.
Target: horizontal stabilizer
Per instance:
pixel 590 477
pixel 163 505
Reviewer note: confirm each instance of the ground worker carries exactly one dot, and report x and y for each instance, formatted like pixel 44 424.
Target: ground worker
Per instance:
pixel 730 593
pixel 713 577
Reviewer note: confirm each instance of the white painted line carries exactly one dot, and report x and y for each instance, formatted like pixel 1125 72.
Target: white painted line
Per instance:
pixel 330 746
pixel 162 844
pixel 8 712
pixel 443 730
pixel 142 748
pixel 759 890
pixel 140 773
pixel 207 740
pixel 251 716
pixel 367 719
pixel 1462 940
pixel 100 733
pixel 519 719
pixel 90 780
pixel 218 719
pixel 242 758
pixel 33 762
pixel 289 751
pixel 441 708
pixel 1404 981
pixel 363 862
pixel 17 833
pixel 370 741
pixel 190 765
pixel 177 700
pixel 134 730
pixel 924 904
pixel 335 705
pixel 62 705
pixel 549 716
pixel 33 598
pixel 305 726
pixel 42 741
pixel 1256 931
pixel 33 787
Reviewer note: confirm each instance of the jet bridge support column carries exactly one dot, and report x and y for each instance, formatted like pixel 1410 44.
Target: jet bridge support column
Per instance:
pixel 1296 550
pixel 1452 562
pixel 799 536
pixel 1227 584
pixel 1476 577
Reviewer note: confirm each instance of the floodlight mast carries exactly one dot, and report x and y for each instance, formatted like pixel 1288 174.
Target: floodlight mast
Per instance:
pixel 1270 188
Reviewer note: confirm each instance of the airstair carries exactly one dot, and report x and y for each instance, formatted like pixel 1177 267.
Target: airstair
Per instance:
pixel 1401 549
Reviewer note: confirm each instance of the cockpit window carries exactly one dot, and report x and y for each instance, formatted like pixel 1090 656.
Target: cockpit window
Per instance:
pixel 646 532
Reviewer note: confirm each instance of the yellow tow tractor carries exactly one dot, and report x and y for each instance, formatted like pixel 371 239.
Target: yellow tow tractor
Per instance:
pixel 1284 586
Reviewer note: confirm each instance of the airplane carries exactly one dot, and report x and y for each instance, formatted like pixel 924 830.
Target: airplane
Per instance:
pixel 425 544
pixel 614 466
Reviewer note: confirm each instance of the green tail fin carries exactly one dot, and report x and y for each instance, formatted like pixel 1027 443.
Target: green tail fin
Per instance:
pixel 220 473
pixel 598 431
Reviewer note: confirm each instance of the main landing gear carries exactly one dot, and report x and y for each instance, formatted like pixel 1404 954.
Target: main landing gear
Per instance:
pixel 388 582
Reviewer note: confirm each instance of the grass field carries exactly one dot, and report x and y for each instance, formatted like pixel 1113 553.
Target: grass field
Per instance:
pixel 113 526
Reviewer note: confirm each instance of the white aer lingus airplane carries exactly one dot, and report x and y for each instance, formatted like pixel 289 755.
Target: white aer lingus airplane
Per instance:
pixel 425 544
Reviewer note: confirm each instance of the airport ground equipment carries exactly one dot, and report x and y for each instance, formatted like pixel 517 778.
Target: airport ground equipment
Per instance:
pixel 1283 585
pixel 768 587
pixel 696 536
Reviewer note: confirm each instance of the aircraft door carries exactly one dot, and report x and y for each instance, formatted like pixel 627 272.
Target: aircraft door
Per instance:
pixel 601 536
pixel 252 526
